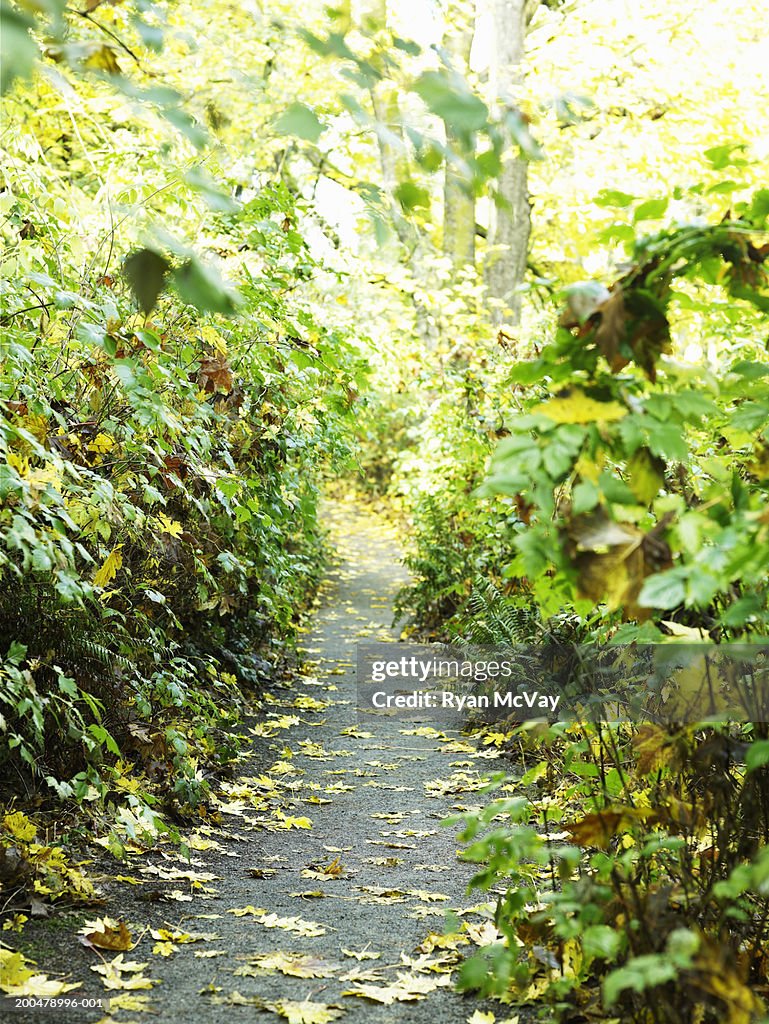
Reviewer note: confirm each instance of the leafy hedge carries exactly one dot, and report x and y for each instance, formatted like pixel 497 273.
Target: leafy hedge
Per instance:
pixel 159 484
pixel 624 501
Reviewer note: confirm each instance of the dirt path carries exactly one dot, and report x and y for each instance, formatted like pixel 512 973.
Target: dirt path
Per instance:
pixel 374 795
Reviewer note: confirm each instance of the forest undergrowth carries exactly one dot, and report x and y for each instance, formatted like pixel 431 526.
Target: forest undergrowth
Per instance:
pixel 229 286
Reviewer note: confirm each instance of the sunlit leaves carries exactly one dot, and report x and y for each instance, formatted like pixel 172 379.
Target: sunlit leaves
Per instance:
pixel 19 50
pixel 197 283
pixel 18 979
pixel 574 406
pixel 448 95
pixel 300 121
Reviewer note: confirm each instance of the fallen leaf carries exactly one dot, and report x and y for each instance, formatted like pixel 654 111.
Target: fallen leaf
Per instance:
pixel 107 934
pixel 19 826
pixel 128 1001
pixel 305 1012
pixel 309 929
pixel 408 988
pixel 17 979
pixel 294 965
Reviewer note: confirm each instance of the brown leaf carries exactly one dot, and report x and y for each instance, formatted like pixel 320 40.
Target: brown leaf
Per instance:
pixel 599 828
pixel 612 328
pixel 653 748
pixel 215 374
pixel 116 937
pixel 613 560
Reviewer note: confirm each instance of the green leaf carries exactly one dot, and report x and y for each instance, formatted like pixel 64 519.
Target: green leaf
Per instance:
pixel 585 497
pixel 557 460
pixel 200 285
pixel 412 196
pixel 724 155
pixel 613 197
pixel 750 416
pixel 652 209
pixel 146 272
pixel 757 755
pixel 664 590
pixel 448 96
pixel 18 50
pixel 600 940
pixel 667 441
pixel 300 121
pixel 616 490
pixel 638 974
pixel 647 475
pixel 201 182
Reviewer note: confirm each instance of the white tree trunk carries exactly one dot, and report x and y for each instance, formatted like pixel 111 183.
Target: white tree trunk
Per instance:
pixel 509 224
pixel 458 203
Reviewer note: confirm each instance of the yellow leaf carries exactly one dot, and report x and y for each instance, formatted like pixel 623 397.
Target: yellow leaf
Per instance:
pixel 309 929
pixel 573 406
pixel 19 826
pixel 243 911
pixel 17 462
pixel 127 1001
pixel 169 526
pixel 109 568
pixel 294 965
pixel 13 969
pixel 286 822
pixel 15 923
pixel 408 988
pixel 305 1012
pixel 101 444
pixel 362 954
pixel 164 948
pixel 435 940
pixel 481 1018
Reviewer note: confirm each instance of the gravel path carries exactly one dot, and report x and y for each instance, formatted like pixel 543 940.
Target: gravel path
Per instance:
pixel 374 793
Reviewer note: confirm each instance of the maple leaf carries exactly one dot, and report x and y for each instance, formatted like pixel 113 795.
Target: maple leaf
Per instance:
pixel 599 828
pixel 123 974
pixel 107 934
pixel 294 965
pixel 436 940
pixel 129 1001
pixel 16 979
pixel 243 911
pixel 215 374
pixel 333 870
pixel 408 988
pixel 305 1012
pixel 19 826
pixel 164 948
pixel 362 954
pixel 287 822
pixel 310 929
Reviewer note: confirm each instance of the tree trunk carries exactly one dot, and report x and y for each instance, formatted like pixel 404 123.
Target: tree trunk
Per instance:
pixel 458 204
pixel 510 222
